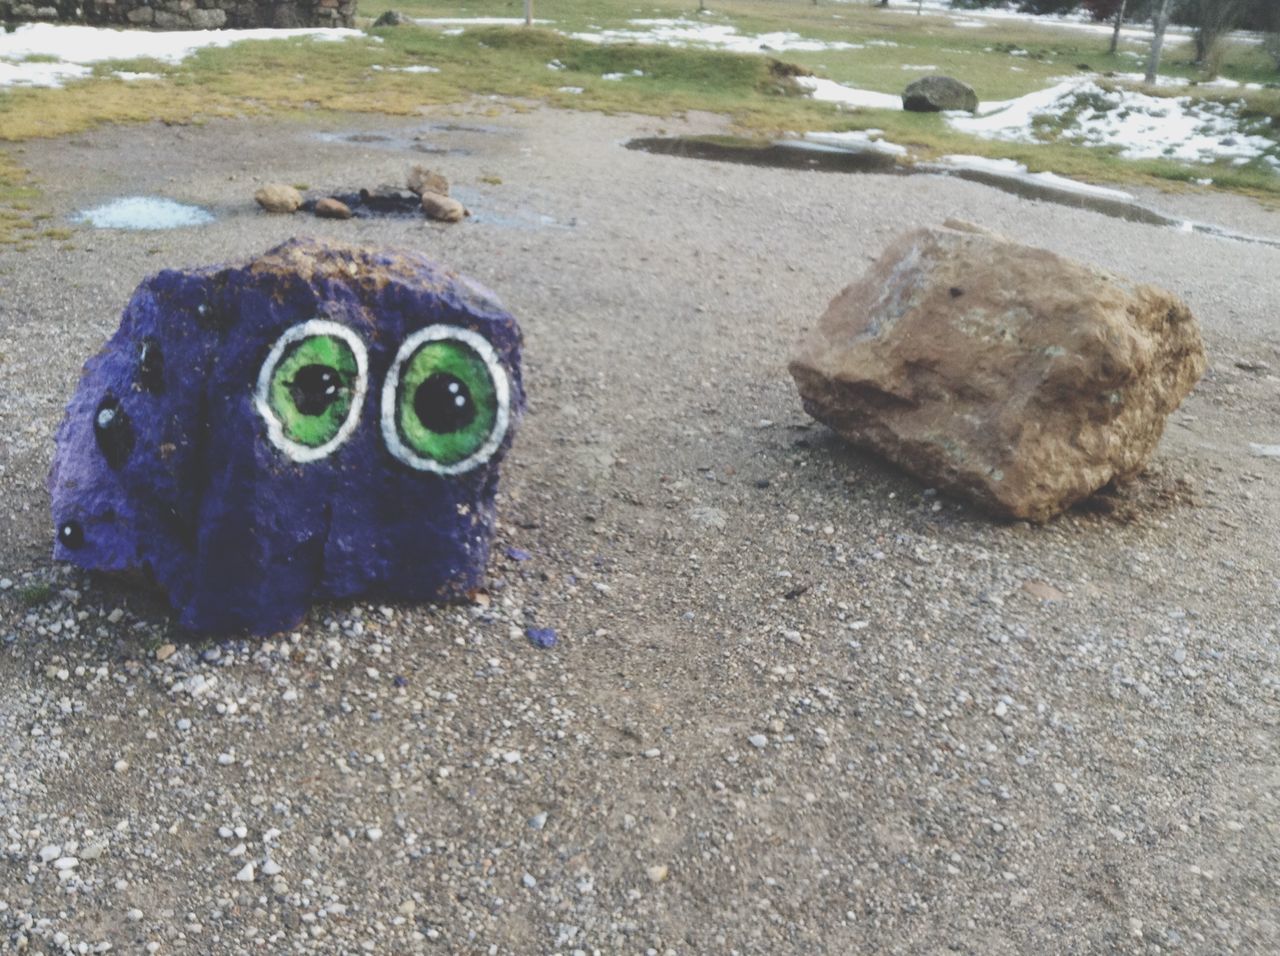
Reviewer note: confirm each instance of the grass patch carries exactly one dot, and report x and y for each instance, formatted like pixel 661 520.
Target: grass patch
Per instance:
pixel 16 198
pixel 35 594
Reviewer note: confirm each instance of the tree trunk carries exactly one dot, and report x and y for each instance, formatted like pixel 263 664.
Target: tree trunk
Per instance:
pixel 528 13
pixel 1115 34
pixel 1160 24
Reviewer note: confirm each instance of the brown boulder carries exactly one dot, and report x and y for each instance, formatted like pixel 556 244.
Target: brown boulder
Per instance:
pixel 423 180
pixel 277 197
pixel 1009 375
pixel 330 208
pixel 442 208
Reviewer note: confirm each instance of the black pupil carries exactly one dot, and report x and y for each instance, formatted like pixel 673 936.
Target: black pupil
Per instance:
pixel 314 388
pixel 71 534
pixel 443 404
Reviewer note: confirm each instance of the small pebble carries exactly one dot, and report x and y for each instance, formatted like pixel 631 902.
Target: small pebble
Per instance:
pixel 759 741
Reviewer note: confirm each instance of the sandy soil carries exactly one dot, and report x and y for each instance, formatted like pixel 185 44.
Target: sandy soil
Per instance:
pixel 800 704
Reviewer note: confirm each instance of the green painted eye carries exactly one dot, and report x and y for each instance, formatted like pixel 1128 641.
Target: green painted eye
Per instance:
pixel 311 388
pixel 445 401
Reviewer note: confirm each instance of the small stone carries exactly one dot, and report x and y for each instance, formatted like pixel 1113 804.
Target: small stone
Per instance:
pixel 528 881
pixel 759 741
pixel 1042 591
pixel 245 874
pixel 120 766
pixel 442 208
pixel 330 208
pixel 374 834
pixel 423 180
pixel 653 752
pixel 407 908
pixel 1059 788
pixel 115 616
pixel 184 724
pixel 278 197
pixel 238 850
pixel 226 759
pixel 657 874
pixel 66 863
pixel 538 821
pixel 1001 709
pixel 50 852
pixel 133 915
pixel 164 652
pixel 270 867
pixel 511 756
pixel 93 850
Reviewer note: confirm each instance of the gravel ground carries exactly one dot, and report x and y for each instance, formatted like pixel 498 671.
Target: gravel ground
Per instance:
pixel 799 704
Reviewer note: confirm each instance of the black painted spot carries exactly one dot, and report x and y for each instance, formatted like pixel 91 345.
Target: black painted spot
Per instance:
pixel 314 388
pixel 71 534
pixel 113 431
pixel 443 404
pixel 151 366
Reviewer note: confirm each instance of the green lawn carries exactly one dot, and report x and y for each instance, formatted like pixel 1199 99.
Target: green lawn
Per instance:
pixel 1000 61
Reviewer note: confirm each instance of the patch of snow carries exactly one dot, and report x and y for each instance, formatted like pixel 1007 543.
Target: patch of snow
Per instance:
pixel 621 76
pixel 858 140
pixel 1140 125
pixel 1015 170
pixel 913 66
pixel 570 89
pixel 711 35
pixel 407 69
pixel 829 91
pixel 77 46
pixel 144 212
pixel 556 65
pixel 40 74
pixel 134 77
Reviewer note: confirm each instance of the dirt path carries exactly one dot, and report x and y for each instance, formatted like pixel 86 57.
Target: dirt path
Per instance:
pixel 799 704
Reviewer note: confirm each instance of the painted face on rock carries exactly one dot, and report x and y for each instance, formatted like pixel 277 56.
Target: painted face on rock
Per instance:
pixel 324 422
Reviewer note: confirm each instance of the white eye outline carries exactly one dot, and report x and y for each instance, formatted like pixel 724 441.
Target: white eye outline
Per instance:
pixel 391 386
pixel 275 429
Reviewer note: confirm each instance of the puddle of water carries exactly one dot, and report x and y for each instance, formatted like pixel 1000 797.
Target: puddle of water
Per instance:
pixel 144 212
pixel 419 143
pixel 518 219
pixel 784 154
pixel 863 158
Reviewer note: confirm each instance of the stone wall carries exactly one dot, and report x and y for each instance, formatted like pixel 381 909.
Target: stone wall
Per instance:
pixel 185 14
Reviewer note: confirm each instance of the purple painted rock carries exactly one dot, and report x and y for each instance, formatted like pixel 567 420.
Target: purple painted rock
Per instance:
pixel 320 423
